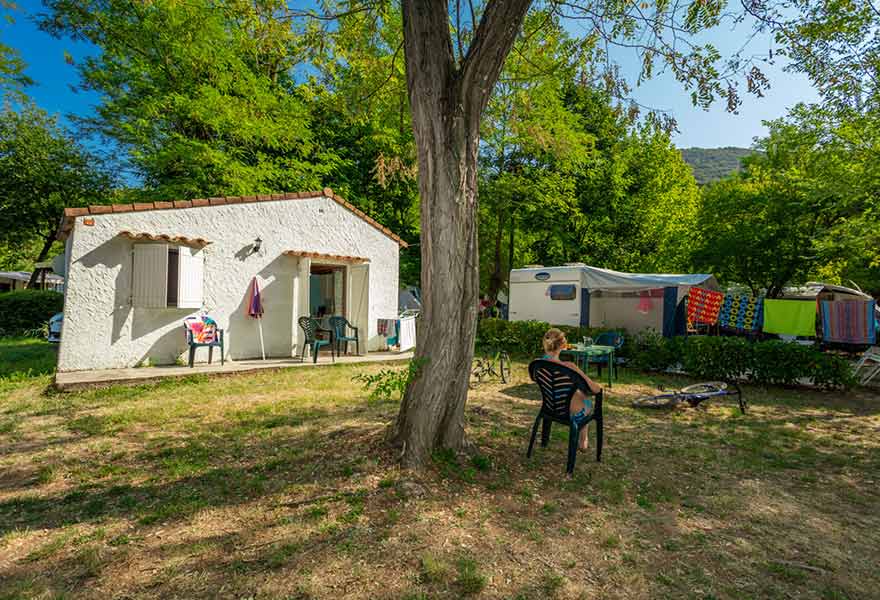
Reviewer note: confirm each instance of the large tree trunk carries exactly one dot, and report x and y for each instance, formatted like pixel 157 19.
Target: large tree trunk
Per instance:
pixel 447 101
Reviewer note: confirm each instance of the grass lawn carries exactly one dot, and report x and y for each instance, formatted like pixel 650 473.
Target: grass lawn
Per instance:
pixel 278 485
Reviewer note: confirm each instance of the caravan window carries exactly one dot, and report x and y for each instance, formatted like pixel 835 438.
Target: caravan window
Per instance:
pixel 562 292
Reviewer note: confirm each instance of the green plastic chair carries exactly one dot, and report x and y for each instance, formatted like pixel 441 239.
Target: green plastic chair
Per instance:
pixel 339 327
pixel 311 328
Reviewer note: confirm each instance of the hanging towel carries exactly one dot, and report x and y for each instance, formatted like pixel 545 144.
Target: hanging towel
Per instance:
pixel 387 327
pixel 703 305
pixel 848 321
pixel 791 317
pixel 739 311
pixel 645 303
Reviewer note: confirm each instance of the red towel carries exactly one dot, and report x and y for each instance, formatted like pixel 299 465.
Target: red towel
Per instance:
pixel 703 305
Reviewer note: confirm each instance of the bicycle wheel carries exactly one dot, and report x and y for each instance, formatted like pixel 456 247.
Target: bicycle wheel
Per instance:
pixel 477 371
pixel 504 366
pixel 709 387
pixel 658 401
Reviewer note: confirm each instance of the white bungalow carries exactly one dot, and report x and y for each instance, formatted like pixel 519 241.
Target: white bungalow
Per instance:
pixel 135 271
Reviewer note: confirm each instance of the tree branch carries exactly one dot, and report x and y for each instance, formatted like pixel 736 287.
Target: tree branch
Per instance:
pixel 493 40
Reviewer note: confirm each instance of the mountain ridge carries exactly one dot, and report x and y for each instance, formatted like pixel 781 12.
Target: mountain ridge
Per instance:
pixel 712 164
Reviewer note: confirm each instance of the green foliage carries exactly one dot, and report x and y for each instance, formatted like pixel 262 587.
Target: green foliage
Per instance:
pixel 200 94
pixel 805 207
pixel 771 362
pixel 42 170
pixel 705 357
pixel 523 338
pixel 388 385
pixel 25 310
pixel 605 189
pixel 713 164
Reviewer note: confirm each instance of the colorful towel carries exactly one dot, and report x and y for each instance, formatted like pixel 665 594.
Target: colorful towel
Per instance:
pixel 848 321
pixel 742 312
pixel 703 305
pixel 790 317
pixel 204 329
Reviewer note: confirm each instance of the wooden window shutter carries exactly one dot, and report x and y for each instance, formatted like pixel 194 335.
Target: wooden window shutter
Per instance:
pixel 150 276
pixel 191 274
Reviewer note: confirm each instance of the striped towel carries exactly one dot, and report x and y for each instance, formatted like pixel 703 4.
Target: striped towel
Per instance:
pixel 703 305
pixel 849 321
pixel 742 312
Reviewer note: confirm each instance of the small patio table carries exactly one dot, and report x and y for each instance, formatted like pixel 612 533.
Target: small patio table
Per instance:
pixel 583 353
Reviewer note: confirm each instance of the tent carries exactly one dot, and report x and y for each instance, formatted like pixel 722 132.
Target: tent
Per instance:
pixel 578 294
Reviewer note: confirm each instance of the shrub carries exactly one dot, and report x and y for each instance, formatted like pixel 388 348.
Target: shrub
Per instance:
pixel 26 310
pixel 388 385
pixel 711 358
pixel 523 338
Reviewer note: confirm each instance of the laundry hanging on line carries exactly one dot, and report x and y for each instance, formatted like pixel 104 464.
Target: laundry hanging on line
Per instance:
pixel 703 305
pixel 790 317
pixel 742 312
pixel 848 321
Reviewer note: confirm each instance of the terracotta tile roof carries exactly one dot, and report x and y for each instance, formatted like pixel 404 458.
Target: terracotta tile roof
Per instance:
pixel 183 241
pixel 318 255
pixel 70 214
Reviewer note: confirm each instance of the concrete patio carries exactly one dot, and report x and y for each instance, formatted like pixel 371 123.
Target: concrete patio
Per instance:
pixel 77 380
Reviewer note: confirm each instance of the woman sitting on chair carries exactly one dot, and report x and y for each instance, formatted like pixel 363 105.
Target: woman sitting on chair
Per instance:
pixel 554 342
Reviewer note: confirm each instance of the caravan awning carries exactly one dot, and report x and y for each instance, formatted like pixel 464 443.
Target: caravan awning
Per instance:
pixel 605 279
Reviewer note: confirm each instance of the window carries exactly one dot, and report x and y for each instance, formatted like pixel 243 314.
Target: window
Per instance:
pixel 166 276
pixel 173 276
pixel 563 292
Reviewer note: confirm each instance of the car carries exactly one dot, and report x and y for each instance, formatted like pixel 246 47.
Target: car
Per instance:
pixel 55 323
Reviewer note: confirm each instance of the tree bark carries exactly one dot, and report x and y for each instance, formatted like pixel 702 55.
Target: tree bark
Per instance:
pixel 447 101
pixel 44 252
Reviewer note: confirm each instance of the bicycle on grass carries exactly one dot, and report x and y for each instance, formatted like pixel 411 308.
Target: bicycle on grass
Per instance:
pixel 495 364
pixel 693 394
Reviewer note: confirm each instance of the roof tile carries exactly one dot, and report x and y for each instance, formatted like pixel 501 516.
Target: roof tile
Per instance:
pixel 72 212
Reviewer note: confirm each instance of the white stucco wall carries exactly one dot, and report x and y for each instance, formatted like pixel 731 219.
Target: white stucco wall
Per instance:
pixel 102 330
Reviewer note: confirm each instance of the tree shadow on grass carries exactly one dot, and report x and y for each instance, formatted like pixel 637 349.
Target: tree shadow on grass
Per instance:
pixel 263 454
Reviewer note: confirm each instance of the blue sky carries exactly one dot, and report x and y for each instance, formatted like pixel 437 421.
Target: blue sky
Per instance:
pixel 713 128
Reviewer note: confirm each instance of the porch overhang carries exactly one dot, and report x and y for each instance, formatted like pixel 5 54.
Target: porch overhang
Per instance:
pixel 357 260
pixel 171 239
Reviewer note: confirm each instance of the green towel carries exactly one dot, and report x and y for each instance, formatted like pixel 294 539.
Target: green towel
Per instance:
pixel 790 317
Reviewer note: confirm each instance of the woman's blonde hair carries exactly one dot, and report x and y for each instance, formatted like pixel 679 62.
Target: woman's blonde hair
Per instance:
pixel 553 340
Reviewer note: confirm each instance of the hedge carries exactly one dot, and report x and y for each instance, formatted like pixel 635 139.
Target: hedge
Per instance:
pixel 523 338
pixel 24 310
pixel 722 358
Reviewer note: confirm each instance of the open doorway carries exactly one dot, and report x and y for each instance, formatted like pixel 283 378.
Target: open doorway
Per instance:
pixel 326 291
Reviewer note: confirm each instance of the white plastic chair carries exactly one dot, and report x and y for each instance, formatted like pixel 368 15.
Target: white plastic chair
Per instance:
pixel 869 365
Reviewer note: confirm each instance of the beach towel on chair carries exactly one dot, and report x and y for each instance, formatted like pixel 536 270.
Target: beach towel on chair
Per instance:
pixel 848 321
pixel 703 305
pixel 742 312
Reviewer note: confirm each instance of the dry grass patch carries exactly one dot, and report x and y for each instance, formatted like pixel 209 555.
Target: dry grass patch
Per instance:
pixel 279 485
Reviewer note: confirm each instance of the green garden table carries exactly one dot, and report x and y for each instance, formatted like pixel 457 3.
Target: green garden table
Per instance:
pixel 583 353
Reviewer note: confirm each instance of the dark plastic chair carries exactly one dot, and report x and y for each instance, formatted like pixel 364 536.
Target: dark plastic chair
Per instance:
pixel 558 384
pixel 216 341
pixel 339 326
pixel 311 328
pixel 609 338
